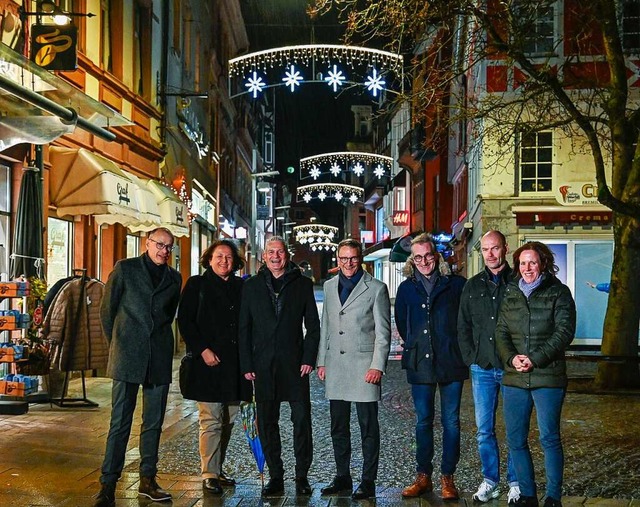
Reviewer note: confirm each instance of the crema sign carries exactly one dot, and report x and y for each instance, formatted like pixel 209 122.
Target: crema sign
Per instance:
pixel 123 193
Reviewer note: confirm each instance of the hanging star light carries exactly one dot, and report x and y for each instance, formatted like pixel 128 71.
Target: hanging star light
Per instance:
pixel 379 171
pixel 375 83
pixel 333 162
pixel 255 84
pixel 323 190
pixel 293 78
pixel 286 66
pixel 335 78
pixel 307 197
pixel 315 172
pixel 338 196
pixel 353 198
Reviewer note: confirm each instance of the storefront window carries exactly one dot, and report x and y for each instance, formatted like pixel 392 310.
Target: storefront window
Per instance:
pixel 59 249
pixel 133 246
pixel 583 265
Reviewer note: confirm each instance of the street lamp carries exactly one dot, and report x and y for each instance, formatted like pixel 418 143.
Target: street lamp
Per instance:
pixel 254 202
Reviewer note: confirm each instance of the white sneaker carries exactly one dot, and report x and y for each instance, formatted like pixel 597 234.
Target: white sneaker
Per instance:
pixel 486 492
pixel 514 495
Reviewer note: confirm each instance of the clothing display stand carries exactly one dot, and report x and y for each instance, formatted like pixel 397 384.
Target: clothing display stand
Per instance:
pixel 63 401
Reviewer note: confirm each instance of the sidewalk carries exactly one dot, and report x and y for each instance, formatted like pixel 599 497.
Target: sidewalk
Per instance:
pixel 51 456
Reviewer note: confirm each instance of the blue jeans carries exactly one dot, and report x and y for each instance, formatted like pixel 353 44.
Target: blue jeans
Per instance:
pixel 424 402
pixel 123 404
pixel 518 405
pixel 486 386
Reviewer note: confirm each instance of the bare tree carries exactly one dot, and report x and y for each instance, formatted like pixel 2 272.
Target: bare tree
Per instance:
pixel 597 109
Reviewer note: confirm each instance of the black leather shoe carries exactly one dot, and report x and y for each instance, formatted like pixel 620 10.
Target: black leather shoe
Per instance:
pixel 367 489
pixel 212 486
pixel 225 480
pixel 302 486
pixel 273 487
pixel 339 484
pixel 107 496
pixel 552 502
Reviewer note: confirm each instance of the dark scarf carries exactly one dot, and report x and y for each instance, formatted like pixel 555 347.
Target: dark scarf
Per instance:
pixel 156 272
pixel 346 285
pixel 428 282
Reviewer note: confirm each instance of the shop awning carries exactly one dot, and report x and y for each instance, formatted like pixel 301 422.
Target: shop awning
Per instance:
pixel 84 183
pixel 174 214
pixel 36 106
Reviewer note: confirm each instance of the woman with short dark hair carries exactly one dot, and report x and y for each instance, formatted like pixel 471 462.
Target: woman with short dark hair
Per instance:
pixel 208 320
pixel 537 323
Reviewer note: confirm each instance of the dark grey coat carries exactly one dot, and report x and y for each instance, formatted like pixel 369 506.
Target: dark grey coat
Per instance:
pixel 136 319
pixel 272 339
pixel 542 328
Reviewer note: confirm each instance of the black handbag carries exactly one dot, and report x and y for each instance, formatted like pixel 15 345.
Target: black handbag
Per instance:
pixel 186 371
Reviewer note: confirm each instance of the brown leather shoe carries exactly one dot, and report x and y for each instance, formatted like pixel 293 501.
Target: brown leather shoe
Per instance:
pixel 420 486
pixel 449 490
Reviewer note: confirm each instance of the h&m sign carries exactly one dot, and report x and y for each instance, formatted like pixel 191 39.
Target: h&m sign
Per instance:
pixel 400 218
pixel 53 47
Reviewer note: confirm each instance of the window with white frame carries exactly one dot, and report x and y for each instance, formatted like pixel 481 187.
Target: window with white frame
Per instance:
pixel 630 26
pixel 133 246
pixel 537 26
pixel 585 267
pixel 59 249
pixel 5 218
pixel 535 161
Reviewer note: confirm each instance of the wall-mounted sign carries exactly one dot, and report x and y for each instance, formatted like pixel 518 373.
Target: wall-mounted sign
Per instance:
pixel 577 193
pixel 54 46
pixel 400 218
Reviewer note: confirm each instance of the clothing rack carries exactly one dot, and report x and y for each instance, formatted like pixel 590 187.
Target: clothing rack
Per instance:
pixel 63 401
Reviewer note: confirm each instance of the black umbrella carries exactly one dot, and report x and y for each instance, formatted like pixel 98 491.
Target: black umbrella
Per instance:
pixel 27 255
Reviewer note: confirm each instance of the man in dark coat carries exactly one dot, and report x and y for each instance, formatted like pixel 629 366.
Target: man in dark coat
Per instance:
pixel 479 309
pixel 426 311
pixel 139 305
pixel 278 357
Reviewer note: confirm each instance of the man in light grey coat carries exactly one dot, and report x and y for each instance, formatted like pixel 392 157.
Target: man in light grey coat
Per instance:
pixel 355 338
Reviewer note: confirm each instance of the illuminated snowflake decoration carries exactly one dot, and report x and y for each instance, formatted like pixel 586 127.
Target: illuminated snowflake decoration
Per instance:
pixel 255 84
pixel 307 197
pixel 375 83
pixel 314 172
pixel 353 198
pixel 338 195
pixel 331 235
pixel 379 171
pixel 335 78
pixel 293 78
pixel 335 169
pixel 358 169
pixel 322 196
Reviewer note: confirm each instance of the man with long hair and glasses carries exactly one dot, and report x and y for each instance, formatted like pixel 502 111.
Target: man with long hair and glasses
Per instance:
pixel 426 311
pixel 137 310
pixel 355 339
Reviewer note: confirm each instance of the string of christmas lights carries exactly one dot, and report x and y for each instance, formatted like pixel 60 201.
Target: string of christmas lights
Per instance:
pixel 337 191
pixel 337 162
pixel 313 233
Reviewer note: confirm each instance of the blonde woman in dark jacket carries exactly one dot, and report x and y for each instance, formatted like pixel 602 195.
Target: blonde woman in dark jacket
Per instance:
pixel 537 323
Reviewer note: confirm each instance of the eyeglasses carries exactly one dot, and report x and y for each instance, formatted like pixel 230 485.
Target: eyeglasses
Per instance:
pixel 351 260
pixel 427 257
pixel 162 246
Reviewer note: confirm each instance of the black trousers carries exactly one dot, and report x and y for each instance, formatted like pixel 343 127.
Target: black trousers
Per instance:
pixel 268 413
pixel 369 432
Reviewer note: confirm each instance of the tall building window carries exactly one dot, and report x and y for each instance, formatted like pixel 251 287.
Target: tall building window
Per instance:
pixel 105 20
pixel 5 217
pixel 133 246
pixel 142 50
pixel 536 26
pixel 535 157
pixel 631 25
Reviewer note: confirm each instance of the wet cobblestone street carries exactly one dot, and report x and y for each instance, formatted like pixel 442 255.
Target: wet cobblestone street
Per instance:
pixel 600 435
